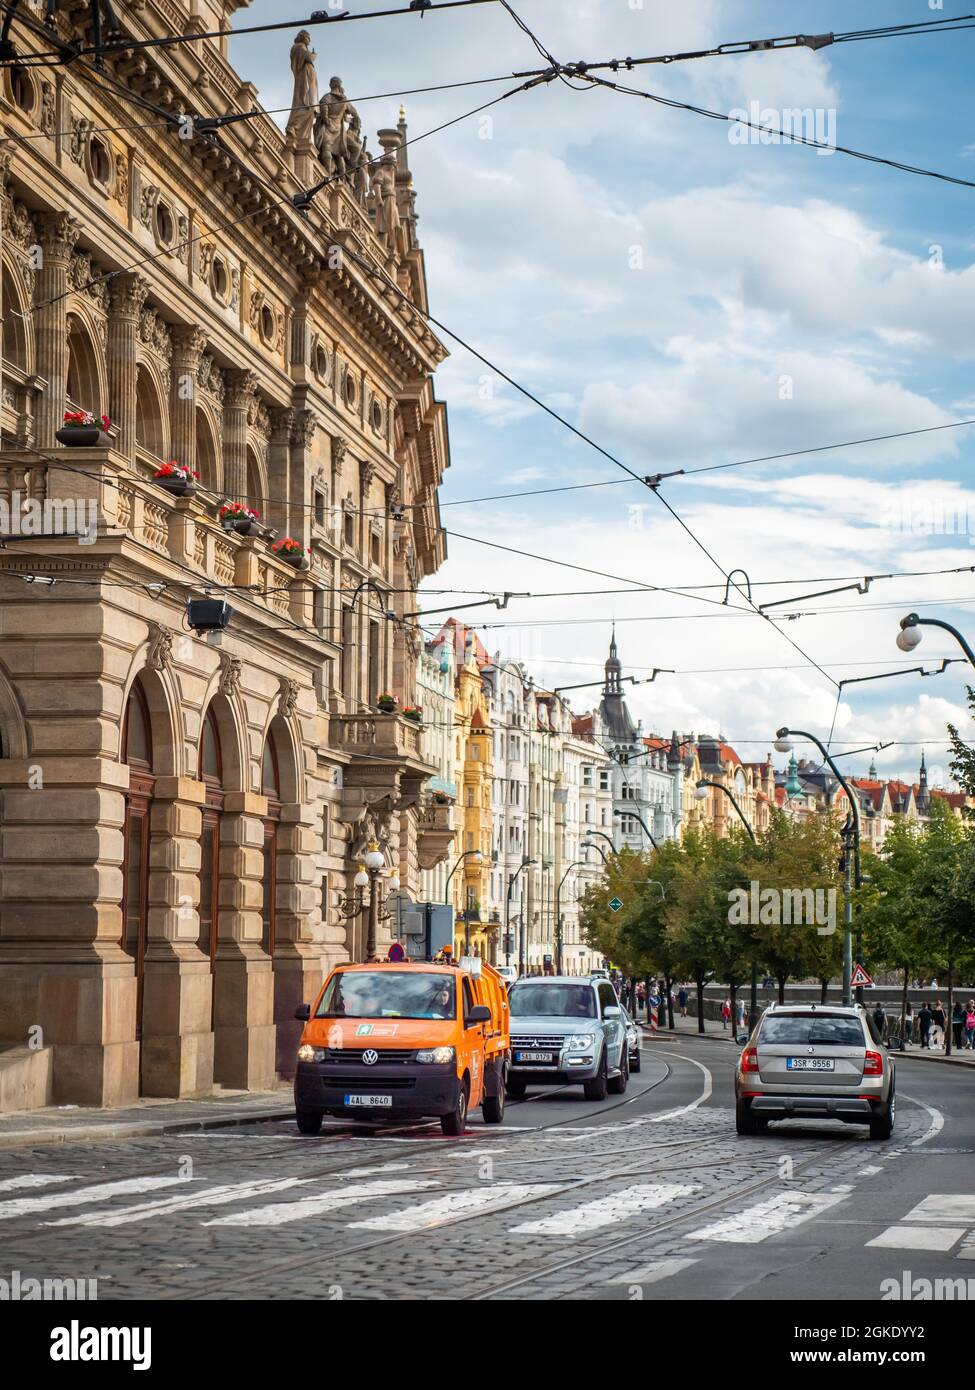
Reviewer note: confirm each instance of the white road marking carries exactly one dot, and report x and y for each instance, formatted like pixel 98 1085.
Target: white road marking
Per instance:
pixel 944 1207
pixel 917 1238
pixel 33 1180
pixel 605 1211
pixel 967 1251
pixel 29 1206
pixel 379 1168
pixel 208 1197
pixel 869 1172
pixel 686 1109
pixel 280 1213
pixel 652 1274
pixel 456 1204
pixel 937 1119
pixel 783 1212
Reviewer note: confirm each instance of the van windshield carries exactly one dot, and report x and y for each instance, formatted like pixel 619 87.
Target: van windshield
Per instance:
pixel 830 1030
pixel 552 1001
pixel 388 994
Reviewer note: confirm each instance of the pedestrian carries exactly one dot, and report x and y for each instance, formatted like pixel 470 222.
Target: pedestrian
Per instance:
pixel 641 996
pixel 970 1025
pixel 908 1024
pixel 725 1013
pixel 938 1024
pixel 924 1020
pixel 880 1020
pixel 741 1014
pixel 957 1023
pixel 682 1001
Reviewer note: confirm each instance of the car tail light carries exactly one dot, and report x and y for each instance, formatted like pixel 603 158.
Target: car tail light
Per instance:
pixel 873 1064
pixel 749 1059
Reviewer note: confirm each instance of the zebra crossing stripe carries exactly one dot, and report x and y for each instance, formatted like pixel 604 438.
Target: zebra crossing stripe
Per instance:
pixel 455 1204
pixel 33 1180
pixel 281 1213
pixel 604 1211
pixel 209 1197
pixel 945 1208
pixel 769 1218
pixel 653 1273
pixel 103 1192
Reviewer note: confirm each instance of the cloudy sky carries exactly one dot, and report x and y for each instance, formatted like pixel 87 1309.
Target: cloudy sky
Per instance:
pixel 689 296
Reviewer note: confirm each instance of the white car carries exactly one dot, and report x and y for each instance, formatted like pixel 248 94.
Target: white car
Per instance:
pixel 508 973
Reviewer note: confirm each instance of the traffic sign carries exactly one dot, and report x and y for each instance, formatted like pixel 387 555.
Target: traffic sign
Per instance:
pixel 860 979
pixel 396 952
pixel 615 904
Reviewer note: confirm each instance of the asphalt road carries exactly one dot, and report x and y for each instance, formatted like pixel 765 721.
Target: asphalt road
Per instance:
pixel 649 1195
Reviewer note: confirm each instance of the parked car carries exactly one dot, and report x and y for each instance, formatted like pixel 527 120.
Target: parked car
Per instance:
pixel 508 973
pixel 816 1061
pixel 567 1029
pixel 632 1039
pixel 404 1040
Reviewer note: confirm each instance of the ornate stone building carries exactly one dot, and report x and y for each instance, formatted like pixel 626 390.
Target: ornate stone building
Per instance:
pixel 181 820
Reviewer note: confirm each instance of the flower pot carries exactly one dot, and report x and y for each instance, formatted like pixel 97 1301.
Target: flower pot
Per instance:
pixel 179 487
pixel 414 718
pixel 243 525
pixel 83 437
pixel 386 709
pixel 296 559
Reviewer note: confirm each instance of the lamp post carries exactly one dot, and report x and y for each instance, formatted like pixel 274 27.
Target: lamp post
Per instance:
pixel 591 834
pixel 588 844
pixel 700 792
pixel 374 862
pixel 525 861
pixel 576 863
pixel 851 834
pixel 636 816
pixel 909 635
pixel 478 858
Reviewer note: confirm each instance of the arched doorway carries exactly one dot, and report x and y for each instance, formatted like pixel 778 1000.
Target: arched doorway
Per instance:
pixel 210 773
pixel 150 433
pixel 137 753
pixel 206 451
pixel 271 788
pixel 84 386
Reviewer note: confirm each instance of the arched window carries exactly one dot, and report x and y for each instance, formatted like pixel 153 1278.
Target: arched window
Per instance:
pixel 210 773
pixel 255 492
pixel 137 753
pixel 271 788
pixel 14 331
pixel 149 432
pixel 83 390
pixel 206 452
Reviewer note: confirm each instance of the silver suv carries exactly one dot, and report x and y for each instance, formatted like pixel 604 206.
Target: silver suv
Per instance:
pixel 567 1029
pixel 815 1061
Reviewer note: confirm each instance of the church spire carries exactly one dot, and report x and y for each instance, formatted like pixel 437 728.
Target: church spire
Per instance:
pixel 614 668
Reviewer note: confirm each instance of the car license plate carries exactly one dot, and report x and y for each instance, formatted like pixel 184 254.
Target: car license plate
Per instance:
pixel 534 1056
pixel 368 1100
pixel 809 1064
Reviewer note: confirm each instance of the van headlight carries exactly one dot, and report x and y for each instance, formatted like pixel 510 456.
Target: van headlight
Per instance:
pixel 307 1053
pixel 580 1042
pixel 440 1055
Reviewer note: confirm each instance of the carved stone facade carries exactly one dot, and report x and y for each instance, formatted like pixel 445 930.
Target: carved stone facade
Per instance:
pixel 180 817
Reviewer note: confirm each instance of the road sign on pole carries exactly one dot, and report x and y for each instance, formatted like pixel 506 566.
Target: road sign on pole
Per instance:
pixel 860 979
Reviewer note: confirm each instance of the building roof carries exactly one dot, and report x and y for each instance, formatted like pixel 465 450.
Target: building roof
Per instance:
pixel 465 642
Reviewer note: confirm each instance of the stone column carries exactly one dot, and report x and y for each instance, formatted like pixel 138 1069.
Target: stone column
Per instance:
pixel 57 232
pixel 188 344
pixel 177 1037
pixel 302 437
pixel 127 295
pixel 298 966
pixel 243 1007
pixel 279 467
pixel 241 385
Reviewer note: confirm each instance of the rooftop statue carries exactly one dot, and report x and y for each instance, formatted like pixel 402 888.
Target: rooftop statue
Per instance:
pixel 335 116
pixel 304 100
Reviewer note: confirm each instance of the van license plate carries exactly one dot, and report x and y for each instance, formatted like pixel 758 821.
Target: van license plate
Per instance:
pixel 809 1064
pixel 534 1057
pixel 368 1100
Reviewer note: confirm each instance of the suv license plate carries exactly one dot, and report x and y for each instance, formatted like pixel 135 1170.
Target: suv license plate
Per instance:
pixel 534 1056
pixel 809 1064
pixel 368 1100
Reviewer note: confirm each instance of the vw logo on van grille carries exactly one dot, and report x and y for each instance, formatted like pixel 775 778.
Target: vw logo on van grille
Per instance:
pixel 370 1056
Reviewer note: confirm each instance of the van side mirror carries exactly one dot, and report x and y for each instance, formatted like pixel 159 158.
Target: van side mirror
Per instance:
pixel 303 1012
pixel 742 1038
pixel 611 1011
pixel 479 1014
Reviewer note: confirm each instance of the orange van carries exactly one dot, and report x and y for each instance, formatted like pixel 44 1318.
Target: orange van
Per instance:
pixel 404 1041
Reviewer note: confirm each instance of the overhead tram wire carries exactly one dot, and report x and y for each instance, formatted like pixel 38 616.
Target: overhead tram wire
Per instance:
pixel 318 17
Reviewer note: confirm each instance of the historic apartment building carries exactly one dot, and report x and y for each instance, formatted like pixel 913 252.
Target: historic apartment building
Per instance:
pixel 182 820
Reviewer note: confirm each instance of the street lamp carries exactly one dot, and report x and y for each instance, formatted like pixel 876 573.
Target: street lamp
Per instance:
pixel 525 861
pixel 910 635
pixel 373 862
pixel 576 863
pixel 700 792
pixel 636 816
pixel 589 844
pixel 851 833
pixel 478 858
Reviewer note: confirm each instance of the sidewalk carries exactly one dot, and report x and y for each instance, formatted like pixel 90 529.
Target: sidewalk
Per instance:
pixel 687 1027
pixel 66 1124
